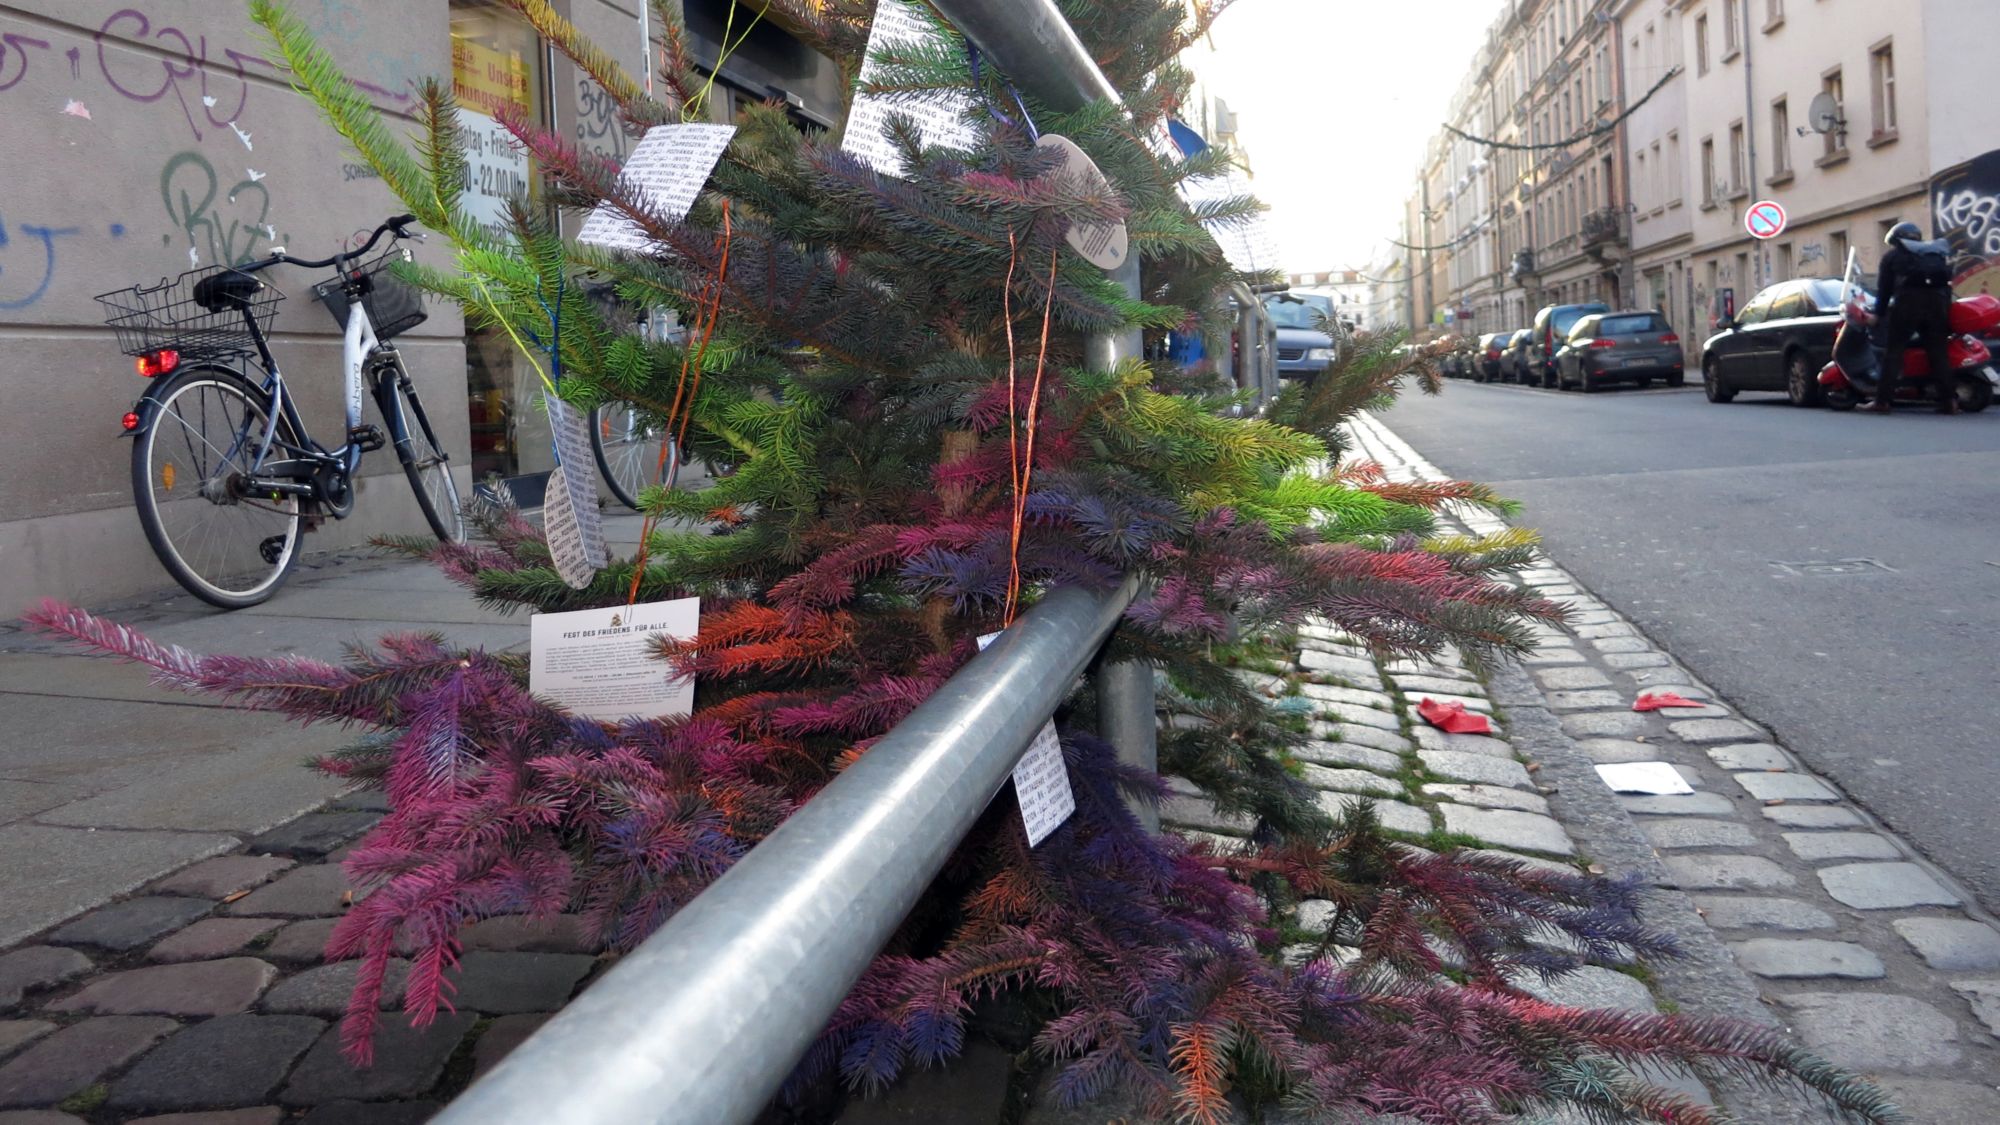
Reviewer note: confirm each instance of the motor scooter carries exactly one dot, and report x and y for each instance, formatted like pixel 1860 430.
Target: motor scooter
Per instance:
pixel 1856 370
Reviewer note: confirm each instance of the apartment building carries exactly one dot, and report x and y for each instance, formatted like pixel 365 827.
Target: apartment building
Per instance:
pixel 1654 139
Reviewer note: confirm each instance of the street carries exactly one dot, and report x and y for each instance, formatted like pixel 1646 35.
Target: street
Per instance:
pixel 1680 514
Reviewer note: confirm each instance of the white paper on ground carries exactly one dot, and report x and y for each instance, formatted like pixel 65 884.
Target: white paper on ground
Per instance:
pixel 667 169
pixel 599 662
pixel 1654 778
pixel 940 119
pixel 1103 245
pixel 1041 780
pixel 571 520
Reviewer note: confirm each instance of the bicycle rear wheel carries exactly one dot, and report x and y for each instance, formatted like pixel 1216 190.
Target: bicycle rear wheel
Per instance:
pixel 223 544
pixel 627 443
pixel 423 458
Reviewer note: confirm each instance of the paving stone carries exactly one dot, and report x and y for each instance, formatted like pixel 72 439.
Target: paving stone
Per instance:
pixel 1870 1031
pixel 1732 912
pixel 1680 804
pixel 314 834
pixel 1441 669
pixel 1951 945
pixel 1262 683
pixel 1702 731
pixel 1489 797
pixel 1200 812
pixel 1939 1101
pixel 1785 786
pixel 223 876
pixel 1393 815
pixel 1605 724
pixel 232 1061
pixel 77 1056
pixel 301 941
pixel 1749 756
pixel 199 988
pixel 1570 679
pixel 1538 862
pixel 1431 738
pixel 1815 846
pixel 324 991
pixel 1591 986
pixel 1596 699
pixel 36 967
pixel 502 983
pixel 1884 886
pixel 1610 751
pixel 255 1115
pixel 309 892
pixel 1726 872
pixel 1315 914
pixel 1508 828
pixel 1374 739
pixel 1805 958
pixel 132 923
pixel 407 1061
pixel 211 938
pixel 509 1032
pixel 372 1113
pixel 1984 996
pixel 1482 768
pixel 1605 629
pixel 1620 644
pixel 1350 715
pixel 518 933
pixel 1694 833
pixel 1343 754
pixel 1811 816
pixel 1625 661
pixel 1351 781
pixel 37 1117
pixel 1552 655
pixel 1333 693
pixel 1414 685
pixel 16 1034
pixel 1357 671
pixel 1588 616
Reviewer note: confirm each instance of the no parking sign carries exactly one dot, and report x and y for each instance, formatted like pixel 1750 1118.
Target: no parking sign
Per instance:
pixel 1765 219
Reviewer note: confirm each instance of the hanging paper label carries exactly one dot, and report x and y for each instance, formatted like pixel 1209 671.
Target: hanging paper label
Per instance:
pixel 1246 243
pixel 571 520
pixel 1103 245
pixel 940 118
pixel 667 169
pixel 1041 780
pixel 599 663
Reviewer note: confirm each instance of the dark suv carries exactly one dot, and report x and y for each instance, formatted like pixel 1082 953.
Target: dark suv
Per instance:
pixel 1551 328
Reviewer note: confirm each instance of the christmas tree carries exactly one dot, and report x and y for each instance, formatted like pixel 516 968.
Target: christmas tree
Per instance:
pixel 891 371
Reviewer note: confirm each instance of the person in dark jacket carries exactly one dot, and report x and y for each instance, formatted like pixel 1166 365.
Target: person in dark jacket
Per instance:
pixel 1914 297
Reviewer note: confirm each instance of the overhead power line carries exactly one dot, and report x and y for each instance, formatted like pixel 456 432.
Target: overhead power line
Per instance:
pixel 1588 134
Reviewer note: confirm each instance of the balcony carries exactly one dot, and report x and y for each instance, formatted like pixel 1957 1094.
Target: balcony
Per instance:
pixel 1603 229
pixel 1524 265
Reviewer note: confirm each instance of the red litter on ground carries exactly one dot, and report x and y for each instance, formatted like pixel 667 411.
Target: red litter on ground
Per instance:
pixel 1655 700
pixel 1453 718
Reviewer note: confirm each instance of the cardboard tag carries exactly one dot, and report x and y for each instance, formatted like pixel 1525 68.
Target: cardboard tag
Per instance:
pixel 667 169
pixel 599 663
pixel 1103 245
pixel 940 118
pixel 1246 245
pixel 1041 780
pixel 571 519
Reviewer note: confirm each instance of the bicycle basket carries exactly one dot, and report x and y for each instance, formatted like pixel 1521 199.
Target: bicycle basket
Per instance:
pixel 168 316
pixel 394 306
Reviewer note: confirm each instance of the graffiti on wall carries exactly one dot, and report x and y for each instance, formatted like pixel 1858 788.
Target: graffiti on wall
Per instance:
pixel 221 229
pixel 210 87
pixel 599 129
pixel 28 259
pixel 1965 212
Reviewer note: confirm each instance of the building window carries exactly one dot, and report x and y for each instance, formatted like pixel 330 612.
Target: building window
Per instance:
pixel 1732 22
pixel 1676 171
pixel 1737 159
pixel 1645 186
pixel 1836 247
pixel 1701 43
pixel 1784 263
pixel 1835 139
pixel 1882 78
pixel 1774 14
pixel 1781 139
pixel 1708 171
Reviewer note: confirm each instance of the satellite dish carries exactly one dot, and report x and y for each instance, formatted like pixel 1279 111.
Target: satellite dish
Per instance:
pixel 1824 113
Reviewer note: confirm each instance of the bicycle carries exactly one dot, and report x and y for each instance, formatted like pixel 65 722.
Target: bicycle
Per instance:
pixel 224 472
pixel 627 439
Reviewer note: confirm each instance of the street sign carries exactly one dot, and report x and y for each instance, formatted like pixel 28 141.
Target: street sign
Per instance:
pixel 1765 219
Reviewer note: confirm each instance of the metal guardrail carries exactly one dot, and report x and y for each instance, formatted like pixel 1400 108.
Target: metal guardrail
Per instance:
pixel 704 1021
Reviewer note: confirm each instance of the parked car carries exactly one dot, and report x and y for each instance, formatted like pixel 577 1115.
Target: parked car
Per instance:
pixel 1778 342
pixel 1458 363
pixel 1304 349
pixel 1623 347
pixel 1552 327
pixel 1486 365
pixel 1514 357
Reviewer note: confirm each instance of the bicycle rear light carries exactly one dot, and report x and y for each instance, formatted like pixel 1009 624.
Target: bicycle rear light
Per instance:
pixel 154 364
pixel 130 421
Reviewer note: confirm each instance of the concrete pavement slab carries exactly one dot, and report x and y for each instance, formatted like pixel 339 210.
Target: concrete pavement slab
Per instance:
pixel 239 792
pixel 320 639
pixel 52 872
pixel 336 601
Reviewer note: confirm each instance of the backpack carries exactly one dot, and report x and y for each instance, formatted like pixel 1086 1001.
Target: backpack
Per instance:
pixel 1930 265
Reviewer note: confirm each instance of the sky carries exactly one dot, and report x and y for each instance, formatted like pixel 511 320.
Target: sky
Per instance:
pixel 1335 100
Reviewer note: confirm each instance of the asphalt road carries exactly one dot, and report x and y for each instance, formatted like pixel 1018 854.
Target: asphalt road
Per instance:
pixel 1678 513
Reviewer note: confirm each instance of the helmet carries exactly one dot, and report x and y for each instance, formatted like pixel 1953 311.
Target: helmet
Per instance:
pixel 1901 233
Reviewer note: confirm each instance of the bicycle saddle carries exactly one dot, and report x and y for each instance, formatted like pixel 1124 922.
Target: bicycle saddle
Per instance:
pixel 226 290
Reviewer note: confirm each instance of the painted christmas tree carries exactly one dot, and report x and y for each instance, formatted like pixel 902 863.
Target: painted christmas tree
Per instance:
pixel 891 372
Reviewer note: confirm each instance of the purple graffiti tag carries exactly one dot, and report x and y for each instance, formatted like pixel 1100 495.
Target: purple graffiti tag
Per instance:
pixel 189 58
pixel 12 45
pixel 75 63
pixel 47 236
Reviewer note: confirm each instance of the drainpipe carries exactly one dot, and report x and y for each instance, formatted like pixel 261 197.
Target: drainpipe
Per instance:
pixel 1757 247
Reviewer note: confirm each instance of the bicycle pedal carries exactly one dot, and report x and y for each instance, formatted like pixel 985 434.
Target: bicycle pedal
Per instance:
pixel 367 438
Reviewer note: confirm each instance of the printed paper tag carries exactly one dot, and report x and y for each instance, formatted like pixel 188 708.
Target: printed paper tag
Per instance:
pixel 1247 244
pixel 940 118
pixel 571 520
pixel 667 169
pixel 1041 780
pixel 599 662
pixel 1103 245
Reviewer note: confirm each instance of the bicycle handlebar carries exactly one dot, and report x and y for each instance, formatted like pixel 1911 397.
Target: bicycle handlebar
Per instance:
pixel 396 224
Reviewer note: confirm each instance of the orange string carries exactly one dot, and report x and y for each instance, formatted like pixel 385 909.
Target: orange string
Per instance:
pixel 708 311
pixel 1028 455
pixel 1013 413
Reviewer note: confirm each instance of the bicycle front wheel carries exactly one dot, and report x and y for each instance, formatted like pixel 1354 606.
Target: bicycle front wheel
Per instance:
pixel 223 543
pixel 628 443
pixel 424 462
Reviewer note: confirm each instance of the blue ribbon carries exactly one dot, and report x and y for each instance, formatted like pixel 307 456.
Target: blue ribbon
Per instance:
pixel 1026 122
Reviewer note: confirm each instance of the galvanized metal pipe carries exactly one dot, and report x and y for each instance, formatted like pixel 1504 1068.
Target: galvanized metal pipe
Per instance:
pixel 1032 44
pixel 702 1022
